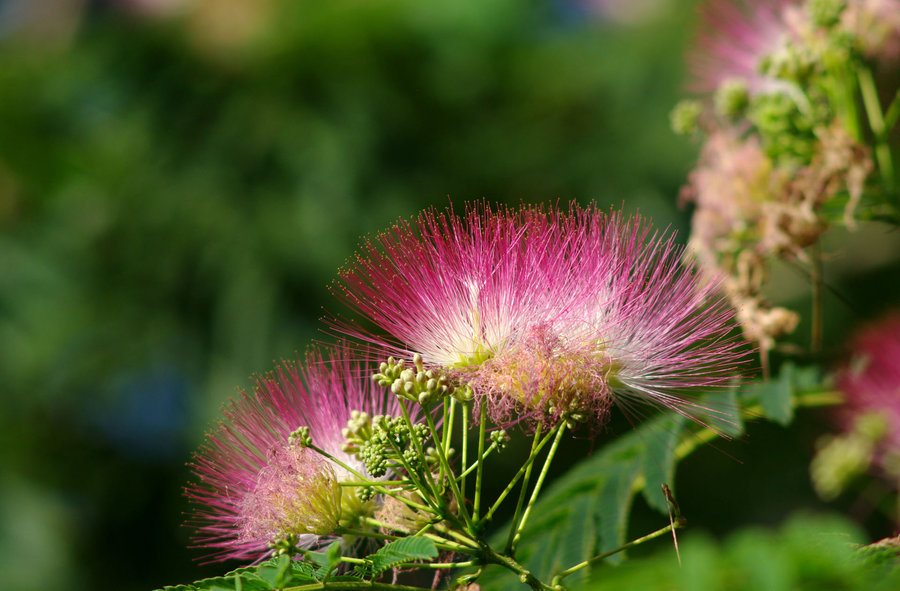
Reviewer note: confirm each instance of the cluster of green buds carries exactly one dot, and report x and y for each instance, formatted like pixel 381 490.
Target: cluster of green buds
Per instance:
pixel 418 384
pixel 571 413
pixel 300 437
pixel 378 440
pixel 287 545
pixel 825 13
pixel 500 438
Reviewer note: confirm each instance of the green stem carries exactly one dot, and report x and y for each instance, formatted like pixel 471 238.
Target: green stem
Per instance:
pixel 492 556
pixel 879 129
pixel 517 514
pixel 437 565
pixel 468 471
pixel 519 474
pixel 560 576
pixel 892 113
pixel 482 420
pixel 366 534
pixel 375 483
pixel 817 294
pixel 439 541
pixel 417 483
pixel 432 487
pixel 465 447
pixel 377 486
pixel 351 560
pixel 537 485
pixel 353 585
pixel 447 426
pixel 445 468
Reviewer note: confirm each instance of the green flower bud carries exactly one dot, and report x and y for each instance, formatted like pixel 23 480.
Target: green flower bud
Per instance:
pixel 825 13
pixel 732 98
pixel 685 117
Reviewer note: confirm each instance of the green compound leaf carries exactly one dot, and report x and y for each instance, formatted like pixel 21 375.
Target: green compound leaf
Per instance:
pixel 326 561
pixel 273 574
pixel 724 414
pixel 585 512
pixel 775 396
pixel 402 551
pixel 659 462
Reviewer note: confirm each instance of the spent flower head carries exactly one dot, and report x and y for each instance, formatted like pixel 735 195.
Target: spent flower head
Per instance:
pixel 544 312
pixel 258 482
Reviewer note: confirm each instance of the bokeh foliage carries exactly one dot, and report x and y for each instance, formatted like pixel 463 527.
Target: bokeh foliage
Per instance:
pixel 174 203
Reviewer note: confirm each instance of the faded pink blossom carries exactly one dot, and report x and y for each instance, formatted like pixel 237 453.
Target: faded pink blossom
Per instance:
pixel 730 184
pixel 735 36
pixel 254 486
pixel 876 25
pixel 871 381
pixel 545 312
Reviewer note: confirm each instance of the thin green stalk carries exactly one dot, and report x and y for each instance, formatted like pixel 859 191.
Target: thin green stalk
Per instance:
pixel 474 466
pixel 353 585
pixel 537 486
pixel 432 487
pixel 417 482
pixel 375 483
pixel 465 447
pixel 892 113
pixel 366 534
pixel 351 560
pixel 476 505
pixel 437 565
pixel 519 474
pixel 378 486
pixel 877 124
pixel 560 576
pixel 463 538
pixel 817 294
pixel 445 468
pixel 447 425
pixel 439 541
pixel 337 461
pixel 492 556
pixel 526 480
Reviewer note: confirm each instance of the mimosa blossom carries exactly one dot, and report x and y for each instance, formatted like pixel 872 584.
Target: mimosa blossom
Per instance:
pixel 256 485
pixel 545 312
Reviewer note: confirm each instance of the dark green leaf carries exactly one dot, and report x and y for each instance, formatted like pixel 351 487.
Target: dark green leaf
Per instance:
pixel 775 396
pixel 659 461
pixel 725 413
pixel 614 505
pixel 246 580
pixel 278 574
pixel 402 551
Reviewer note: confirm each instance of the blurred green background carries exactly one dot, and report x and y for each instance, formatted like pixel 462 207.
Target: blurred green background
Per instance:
pixel 179 182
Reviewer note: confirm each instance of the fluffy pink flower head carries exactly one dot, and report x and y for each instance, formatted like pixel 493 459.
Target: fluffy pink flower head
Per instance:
pixel 871 382
pixel 544 312
pixel 257 485
pixel 735 38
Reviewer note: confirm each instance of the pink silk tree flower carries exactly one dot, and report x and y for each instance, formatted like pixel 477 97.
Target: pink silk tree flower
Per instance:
pixel 871 382
pixel 257 485
pixel 876 24
pixel 545 313
pixel 735 38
